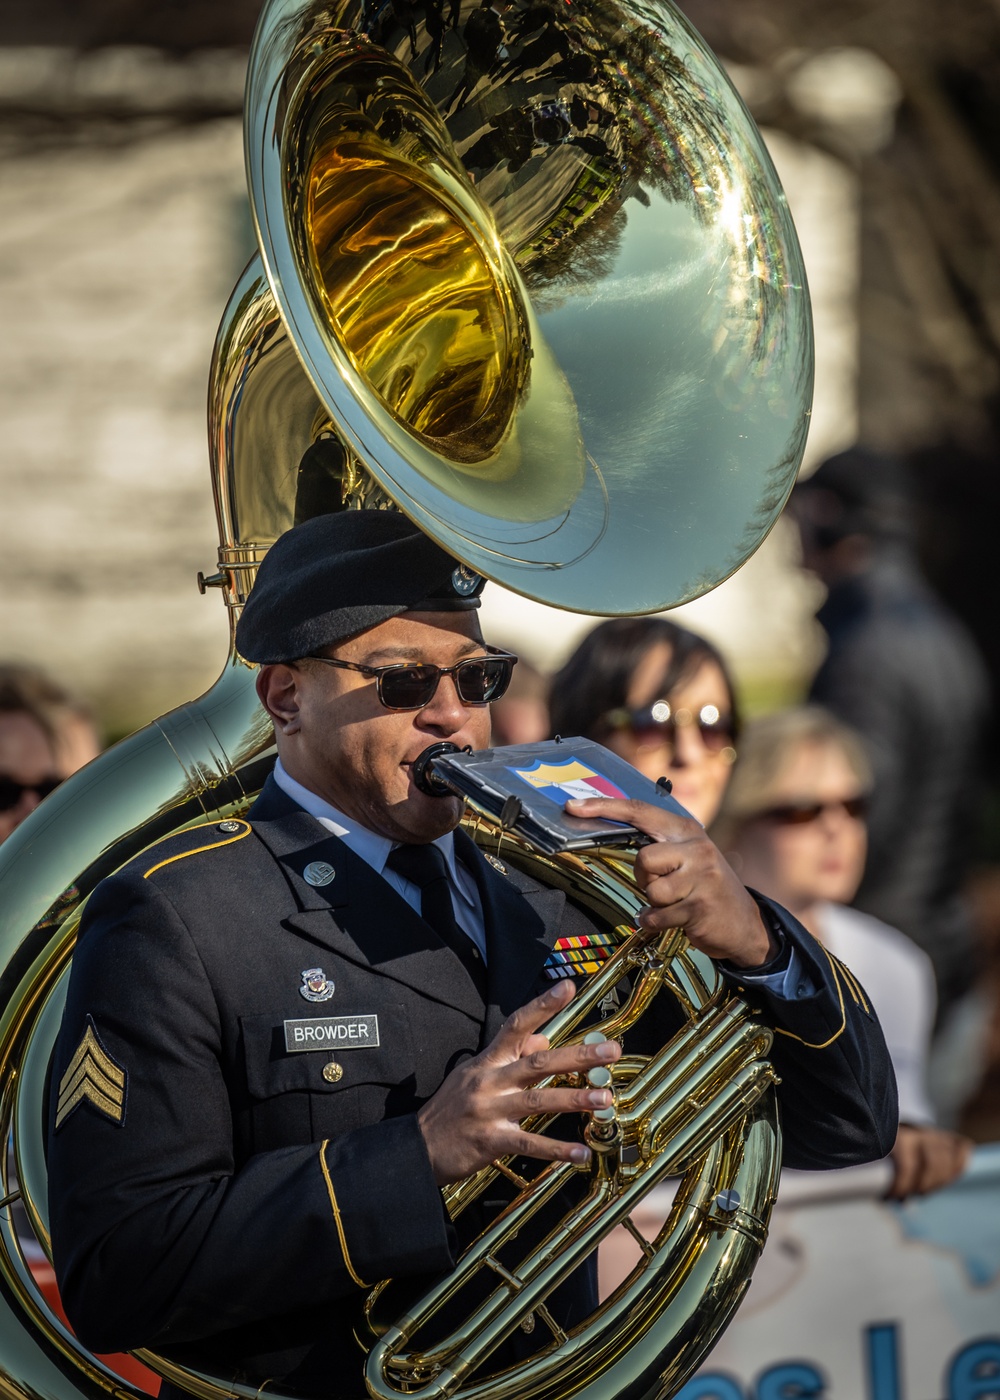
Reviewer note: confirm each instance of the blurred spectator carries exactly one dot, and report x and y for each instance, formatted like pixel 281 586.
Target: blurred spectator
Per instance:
pixel 68 721
pixel 484 45
pixel 28 769
pixel 792 824
pixel 658 695
pixel 521 715
pixel 904 673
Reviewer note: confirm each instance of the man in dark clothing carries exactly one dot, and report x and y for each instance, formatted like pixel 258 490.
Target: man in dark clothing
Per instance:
pixel 903 671
pixel 232 1167
pixel 483 35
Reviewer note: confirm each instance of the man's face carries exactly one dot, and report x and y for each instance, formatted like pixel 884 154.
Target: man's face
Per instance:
pixel 336 739
pixel 826 553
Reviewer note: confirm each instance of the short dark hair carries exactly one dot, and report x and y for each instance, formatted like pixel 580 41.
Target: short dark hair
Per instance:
pixel 596 678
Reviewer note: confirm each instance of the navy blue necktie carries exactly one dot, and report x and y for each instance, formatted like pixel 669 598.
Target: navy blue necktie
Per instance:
pixel 426 867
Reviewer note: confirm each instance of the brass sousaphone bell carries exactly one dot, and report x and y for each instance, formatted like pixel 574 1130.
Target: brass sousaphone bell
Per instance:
pixel 526 273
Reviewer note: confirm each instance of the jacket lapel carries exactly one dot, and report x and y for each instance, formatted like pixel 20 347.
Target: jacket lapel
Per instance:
pixel 357 914
pixel 522 922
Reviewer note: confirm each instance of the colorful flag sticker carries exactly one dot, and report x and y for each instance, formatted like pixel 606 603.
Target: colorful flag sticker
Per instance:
pixel 561 781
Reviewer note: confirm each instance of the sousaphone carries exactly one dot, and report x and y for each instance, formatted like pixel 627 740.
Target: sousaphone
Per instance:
pixel 525 273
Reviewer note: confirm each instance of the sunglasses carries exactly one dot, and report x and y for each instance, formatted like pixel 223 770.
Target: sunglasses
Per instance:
pixel 801 813
pixel 412 685
pixel 11 791
pixel 659 723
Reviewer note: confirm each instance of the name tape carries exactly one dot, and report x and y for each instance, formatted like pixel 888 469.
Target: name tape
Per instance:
pixel 325 1032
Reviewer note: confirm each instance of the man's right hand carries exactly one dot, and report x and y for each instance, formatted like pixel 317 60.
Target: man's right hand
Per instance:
pixel 475 1115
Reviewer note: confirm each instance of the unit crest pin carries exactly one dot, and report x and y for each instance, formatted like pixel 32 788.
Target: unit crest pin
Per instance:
pixel 315 986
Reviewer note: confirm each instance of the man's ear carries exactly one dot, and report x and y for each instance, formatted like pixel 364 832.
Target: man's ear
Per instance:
pixel 278 689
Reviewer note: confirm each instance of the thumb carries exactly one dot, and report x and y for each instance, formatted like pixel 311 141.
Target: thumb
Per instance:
pixel 507 1044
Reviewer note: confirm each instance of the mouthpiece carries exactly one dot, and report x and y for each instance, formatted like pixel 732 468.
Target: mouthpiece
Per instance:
pixel 423 769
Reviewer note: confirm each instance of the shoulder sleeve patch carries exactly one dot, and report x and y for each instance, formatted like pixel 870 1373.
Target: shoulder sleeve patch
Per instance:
pixel 224 834
pixel 93 1077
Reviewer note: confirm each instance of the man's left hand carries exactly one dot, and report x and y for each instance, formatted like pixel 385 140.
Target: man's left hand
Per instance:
pixel 689 883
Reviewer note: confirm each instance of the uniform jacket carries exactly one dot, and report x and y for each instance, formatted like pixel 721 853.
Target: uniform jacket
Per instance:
pixel 224 1201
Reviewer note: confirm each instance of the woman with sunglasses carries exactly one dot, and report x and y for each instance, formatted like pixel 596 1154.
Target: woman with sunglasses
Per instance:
pixel 658 695
pixel 792 824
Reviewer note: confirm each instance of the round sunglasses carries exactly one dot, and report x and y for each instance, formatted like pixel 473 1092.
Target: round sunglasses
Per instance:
pixel 802 813
pixel 659 723
pixel 11 791
pixel 409 685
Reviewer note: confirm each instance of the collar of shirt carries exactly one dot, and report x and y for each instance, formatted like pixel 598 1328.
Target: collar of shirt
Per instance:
pixel 374 850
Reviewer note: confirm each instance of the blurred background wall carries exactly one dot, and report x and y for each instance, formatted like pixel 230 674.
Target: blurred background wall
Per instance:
pixel 125 226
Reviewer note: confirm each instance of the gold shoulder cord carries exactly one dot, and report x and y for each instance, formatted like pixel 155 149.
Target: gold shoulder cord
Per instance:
pixel 213 846
pixel 336 1215
pixel 853 985
pixel 843 1014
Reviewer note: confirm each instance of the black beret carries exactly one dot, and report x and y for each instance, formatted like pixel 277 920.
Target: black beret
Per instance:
pixel 337 575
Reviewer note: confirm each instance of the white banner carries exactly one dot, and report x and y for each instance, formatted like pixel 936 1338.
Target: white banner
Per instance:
pixel 857 1298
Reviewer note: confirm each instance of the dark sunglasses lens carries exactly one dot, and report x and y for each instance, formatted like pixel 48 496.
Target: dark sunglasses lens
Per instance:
pixel 483 679
pixel 717 737
pixel 479 681
pixel 647 730
pixel 409 687
pixel 12 791
pixel 10 794
pixel 802 813
pixel 797 815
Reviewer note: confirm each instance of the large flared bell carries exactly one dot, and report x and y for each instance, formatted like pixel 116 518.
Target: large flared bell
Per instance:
pixel 548 294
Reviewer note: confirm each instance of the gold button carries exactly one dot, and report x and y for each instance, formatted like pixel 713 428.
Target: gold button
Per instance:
pixel 333 1073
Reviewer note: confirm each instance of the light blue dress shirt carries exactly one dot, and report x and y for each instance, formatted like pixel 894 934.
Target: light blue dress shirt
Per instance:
pixel 374 851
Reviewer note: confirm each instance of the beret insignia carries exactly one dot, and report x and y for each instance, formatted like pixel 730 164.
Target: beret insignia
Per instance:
pixel 95 1077
pixel 466 581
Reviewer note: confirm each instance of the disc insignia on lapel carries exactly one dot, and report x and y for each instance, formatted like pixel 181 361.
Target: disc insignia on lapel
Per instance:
pixel 318 872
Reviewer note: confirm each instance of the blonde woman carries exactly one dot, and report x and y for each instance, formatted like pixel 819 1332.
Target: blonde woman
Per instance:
pixel 792 823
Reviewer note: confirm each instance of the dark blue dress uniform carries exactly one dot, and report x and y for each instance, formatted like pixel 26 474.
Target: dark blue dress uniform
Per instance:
pixel 224 1199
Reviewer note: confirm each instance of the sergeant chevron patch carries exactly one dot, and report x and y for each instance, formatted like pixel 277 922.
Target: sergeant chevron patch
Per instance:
pixel 92 1076
pixel 578 957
